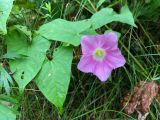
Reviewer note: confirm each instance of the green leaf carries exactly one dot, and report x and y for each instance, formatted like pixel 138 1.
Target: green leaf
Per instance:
pixel 26 68
pixel 5 79
pixel 54 77
pixel 107 15
pixel 71 32
pixel 6 113
pixel 64 31
pixel 5 9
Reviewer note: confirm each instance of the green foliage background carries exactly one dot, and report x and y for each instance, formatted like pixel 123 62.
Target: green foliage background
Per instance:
pixel 39 51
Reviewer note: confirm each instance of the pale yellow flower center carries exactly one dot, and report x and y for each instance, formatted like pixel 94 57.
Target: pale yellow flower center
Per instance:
pixel 99 54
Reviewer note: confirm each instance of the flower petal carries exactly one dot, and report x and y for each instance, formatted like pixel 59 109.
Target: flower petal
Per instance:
pixel 86 64
pixel 115 59
pixel 102 71
pixel 110 40
pixel 88 44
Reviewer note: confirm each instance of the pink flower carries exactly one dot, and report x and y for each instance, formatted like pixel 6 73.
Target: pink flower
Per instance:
pixel 100 55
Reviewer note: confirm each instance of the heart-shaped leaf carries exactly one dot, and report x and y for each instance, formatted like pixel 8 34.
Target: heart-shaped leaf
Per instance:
pixel 107 15
pixel 54 77
pixel 26 68
pixel 64 31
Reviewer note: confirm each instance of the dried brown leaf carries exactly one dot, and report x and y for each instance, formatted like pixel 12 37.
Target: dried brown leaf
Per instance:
pixel 141 97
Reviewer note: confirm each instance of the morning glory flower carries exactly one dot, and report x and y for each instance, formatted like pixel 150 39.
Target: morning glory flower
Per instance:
pixel 100 55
